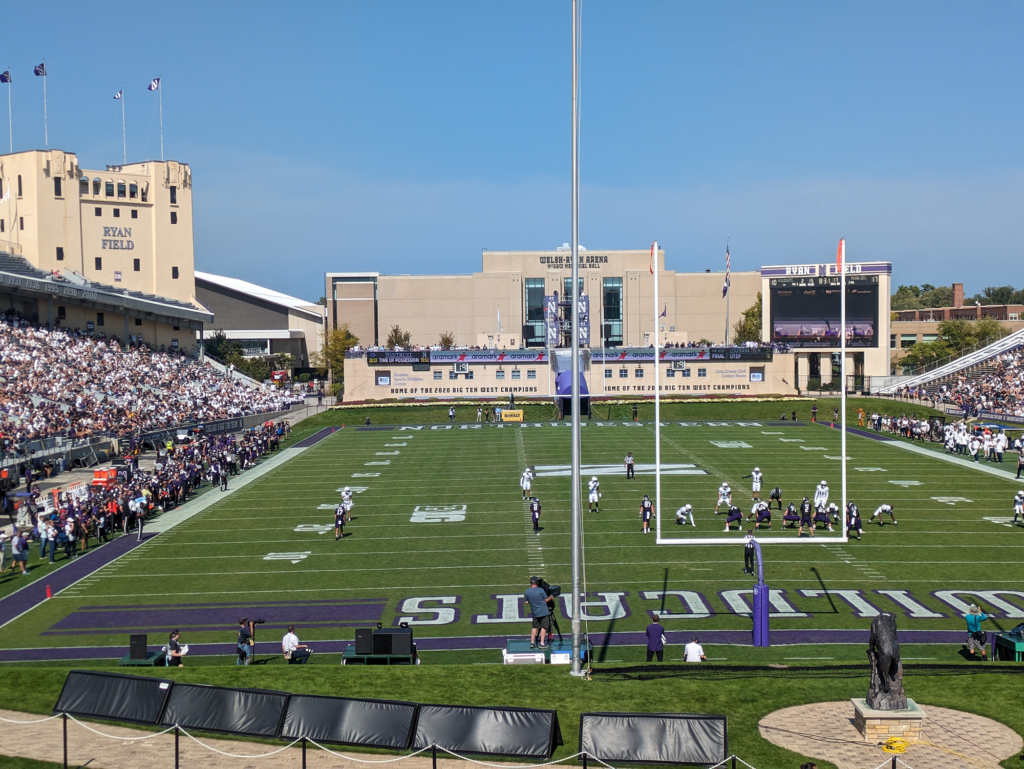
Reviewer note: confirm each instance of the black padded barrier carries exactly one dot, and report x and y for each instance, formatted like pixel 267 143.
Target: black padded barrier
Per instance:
pixel 373 723
pixel 523 732
pixel 113 696
pixel 252 712
pixel 654 738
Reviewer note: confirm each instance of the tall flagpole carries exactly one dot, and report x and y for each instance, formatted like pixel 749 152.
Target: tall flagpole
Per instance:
pixel 124 136
pixel 160 94
pixel 728 293
pixel 46 129
pixel 657 397
pixel 841 263
pixel 576 506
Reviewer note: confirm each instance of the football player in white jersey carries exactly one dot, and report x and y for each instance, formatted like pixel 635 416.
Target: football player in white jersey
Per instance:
pixel 833 512
pixel 821 495
pixel 755 484
pixel 346 502
pixel 594 496
pixel 724 497
pixel 682 513
pixel 526 481
pixel 1018 506
pixel 761 514
pixel 883 510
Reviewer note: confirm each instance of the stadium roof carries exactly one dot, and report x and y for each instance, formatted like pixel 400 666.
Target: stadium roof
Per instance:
pixel 259 292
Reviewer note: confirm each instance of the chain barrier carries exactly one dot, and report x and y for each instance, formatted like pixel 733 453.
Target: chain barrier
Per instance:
pixel 233 755
pixel 364 760
pixel 734 758
pixel 118 737
pixel 37 721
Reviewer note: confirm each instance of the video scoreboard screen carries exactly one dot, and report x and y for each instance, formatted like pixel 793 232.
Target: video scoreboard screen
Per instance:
pixel 805 311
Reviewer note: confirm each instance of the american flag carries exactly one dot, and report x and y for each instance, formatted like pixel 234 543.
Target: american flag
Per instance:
pixel 725 287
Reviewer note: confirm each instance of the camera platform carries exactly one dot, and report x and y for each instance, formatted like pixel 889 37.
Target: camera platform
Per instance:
pixel 350 657
pixel 518 652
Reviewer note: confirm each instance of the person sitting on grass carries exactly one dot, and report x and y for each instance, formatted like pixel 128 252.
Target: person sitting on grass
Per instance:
pixel 976 637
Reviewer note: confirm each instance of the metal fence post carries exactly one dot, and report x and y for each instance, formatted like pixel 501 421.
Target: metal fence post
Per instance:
pixel 64 718
pixel 894 762
pixel 176 747
pixel 433 755
pixel 303 753
pixel 734 762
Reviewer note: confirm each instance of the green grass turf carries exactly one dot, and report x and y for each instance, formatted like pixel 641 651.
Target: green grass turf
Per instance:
pixel 704 690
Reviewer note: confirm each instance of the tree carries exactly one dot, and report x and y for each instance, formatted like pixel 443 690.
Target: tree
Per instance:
pixel 907 298
pixel 997 295
pixel 285 362
pixel 398 338
pixel 447 339
pixel 926 353
pixel 257 368
pixel 322 301
pixel 220 347
pixel 960 333
pixel 748 328
pixel 988 330
pixel 938 296
pixel 330 358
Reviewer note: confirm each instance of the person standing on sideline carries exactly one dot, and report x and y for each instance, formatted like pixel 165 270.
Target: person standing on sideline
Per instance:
pixel 628 464
pixel 1020 463
pixel 693 651
pixel 479 414
pixel 860 417
pixel 655 639
pixel 540 610
pixel 174 650
pixel 451 414
pixel 224 480
pixel 835 414
pixel 976 637
pixel 245 645
pixel 814 413
pixel 634 412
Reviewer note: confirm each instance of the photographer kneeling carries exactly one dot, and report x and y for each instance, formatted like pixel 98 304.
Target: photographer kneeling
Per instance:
pixel 539 602
pixel 294 652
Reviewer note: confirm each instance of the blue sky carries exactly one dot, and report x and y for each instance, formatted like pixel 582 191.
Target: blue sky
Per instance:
pixel 405 137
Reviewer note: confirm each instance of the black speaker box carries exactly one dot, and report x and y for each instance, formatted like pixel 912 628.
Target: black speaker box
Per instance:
pixel 364 641
pixel 401 643
pixel 137 647
pixel 382 643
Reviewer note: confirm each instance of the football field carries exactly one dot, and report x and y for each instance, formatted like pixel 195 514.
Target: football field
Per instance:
pixel 442 539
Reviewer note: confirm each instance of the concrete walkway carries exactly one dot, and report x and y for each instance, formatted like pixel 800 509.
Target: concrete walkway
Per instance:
pixel 826 730
pixel 44 742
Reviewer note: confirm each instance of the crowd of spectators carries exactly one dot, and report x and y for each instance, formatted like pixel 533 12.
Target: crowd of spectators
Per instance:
pixel 976 389
pixel 55 382
pixel 66 519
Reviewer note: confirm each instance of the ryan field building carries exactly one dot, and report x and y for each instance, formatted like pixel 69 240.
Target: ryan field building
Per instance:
pixel 522 355
pixel 107 251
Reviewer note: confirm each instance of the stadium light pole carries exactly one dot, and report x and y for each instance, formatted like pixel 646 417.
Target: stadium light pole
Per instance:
pixel 657 396
pixel 577 669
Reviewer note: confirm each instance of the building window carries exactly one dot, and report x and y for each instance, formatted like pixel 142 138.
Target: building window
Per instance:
pixel 612 331
pixel 83 186
pixel 117 213
pixel 908 340
pixel 469 374
pixel 517 374
pixel 1013 315
pixel 19 185
pixel 99 262
pixel 138 321
pixel 623 373
pixel 21 222
pixel 607 373
pixel 96 186
pixel 176 328
pixel 136 265
pixel 174 195
pixel 452 375
pixel 174 217
pixel 892 341
pixel 135 213
pixel 145 194
pixel 499 374
pixel 122 191
pixel 174 273
pixel 60 253
pixel 638 373
pixel 929 337
pixel 99 319
pixel 61 313
pixel 534 325
pixel 531 373
pixel 99 211
pixel 109 189
pixel 133 190
pixel 686 373
pixel 702 373
pixel 1 225
pixel 670 373
pixel 437 375
pixel 1 188
pixel 57 187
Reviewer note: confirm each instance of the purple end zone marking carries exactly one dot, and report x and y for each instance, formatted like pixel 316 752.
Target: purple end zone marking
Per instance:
pixel 375 428
pixel 857 431
pixel 675 637
pixel 316 437
pixel 82 566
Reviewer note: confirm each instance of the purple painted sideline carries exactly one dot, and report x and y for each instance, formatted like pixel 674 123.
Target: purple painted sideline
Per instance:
pixel 316 437
pixel 857 431
pixel 32 594
pixel 466 643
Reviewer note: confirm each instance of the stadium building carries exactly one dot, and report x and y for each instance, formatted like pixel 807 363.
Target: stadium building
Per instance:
pixel 110 252
pixel 511 320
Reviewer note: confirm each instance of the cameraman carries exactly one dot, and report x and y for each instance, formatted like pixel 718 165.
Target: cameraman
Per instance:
pixel 246 638
pixel 540 608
